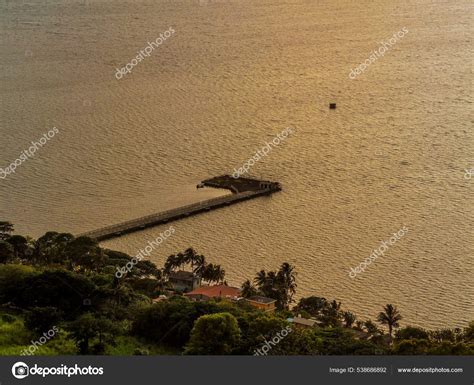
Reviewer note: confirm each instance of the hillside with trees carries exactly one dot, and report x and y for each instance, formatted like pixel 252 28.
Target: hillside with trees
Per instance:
pixel 70 284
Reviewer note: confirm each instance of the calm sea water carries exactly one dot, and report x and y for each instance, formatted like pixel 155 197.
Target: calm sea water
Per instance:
pixel 234 74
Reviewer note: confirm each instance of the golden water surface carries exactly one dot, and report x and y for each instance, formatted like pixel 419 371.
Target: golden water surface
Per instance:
pixel 233 75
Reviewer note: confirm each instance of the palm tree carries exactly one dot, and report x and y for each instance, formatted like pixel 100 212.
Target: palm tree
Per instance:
pixel 349 318
pixel 390 317
pixel 218 274
pixel 334 305
pixel 331 314
pixel 170 264
pixel 287 278
pixel 371 327
pixel 279 285
pixel 190 256
pixel 161 282
pixel 213 273
pixel 248 290
pixel 180 260
pixel 208 273
pixel 200 263
pixel 270 287
pixel 261 278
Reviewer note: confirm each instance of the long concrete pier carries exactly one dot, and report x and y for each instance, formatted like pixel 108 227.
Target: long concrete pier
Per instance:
pixel 242 189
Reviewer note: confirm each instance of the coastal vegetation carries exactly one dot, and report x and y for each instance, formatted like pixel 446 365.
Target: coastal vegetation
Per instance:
pixel 69 285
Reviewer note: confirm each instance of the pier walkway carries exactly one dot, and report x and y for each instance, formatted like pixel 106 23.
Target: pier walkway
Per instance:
pixel 242 189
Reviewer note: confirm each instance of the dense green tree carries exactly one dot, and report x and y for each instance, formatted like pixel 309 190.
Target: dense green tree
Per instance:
pixel 175 318
pixel 263 329
pixel 6 228
pixel 150 287
pixel 341 341
pixel 256 328
pixel 446 348
pixel 87 327
pixel 442 335
pixel 297 342
pixel 410 333
pixel 42 319
pixel 85 253
pixel 7 252
pixel 12 280
pixel 327 313
pixel 411 347
pixel 70 293
pixel 51 248
pixel 331 314
pixel 468 334
pixel 312 305
pixel 214 334
pixel 20 245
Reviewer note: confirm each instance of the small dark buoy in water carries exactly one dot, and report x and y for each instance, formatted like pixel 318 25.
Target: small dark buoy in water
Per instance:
pixel 332 106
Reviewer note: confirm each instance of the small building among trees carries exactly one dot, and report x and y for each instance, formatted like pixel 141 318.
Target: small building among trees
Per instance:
pixel 262 303
pixel 184 281
pixel 303 323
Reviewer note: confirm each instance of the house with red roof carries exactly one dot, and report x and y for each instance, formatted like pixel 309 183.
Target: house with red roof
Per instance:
pixel 205 293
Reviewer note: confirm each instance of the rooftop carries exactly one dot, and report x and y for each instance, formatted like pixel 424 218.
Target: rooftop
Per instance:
pixel 216 291
pixel 260 299
pixel 302 321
